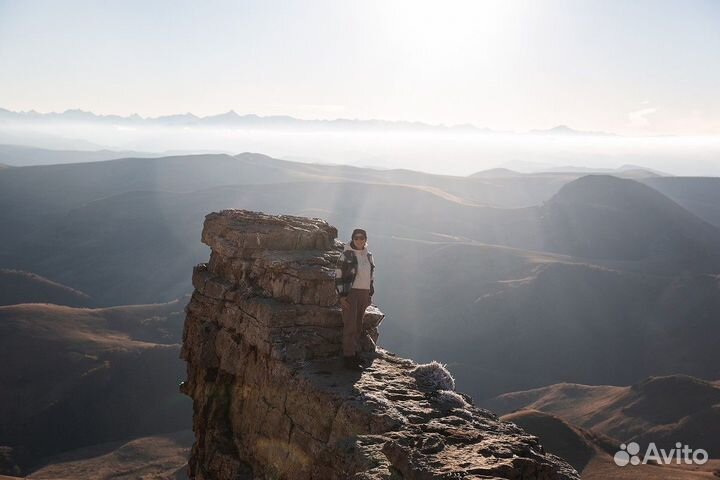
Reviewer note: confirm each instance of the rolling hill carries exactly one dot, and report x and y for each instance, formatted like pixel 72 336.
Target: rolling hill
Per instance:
pixel 601 216
pixel 576 445
pixel 591 453
pixel 17 286
pixel 74 377
pixel 662 409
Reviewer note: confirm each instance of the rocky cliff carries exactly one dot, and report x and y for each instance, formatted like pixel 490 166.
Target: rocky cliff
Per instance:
pixel 262 341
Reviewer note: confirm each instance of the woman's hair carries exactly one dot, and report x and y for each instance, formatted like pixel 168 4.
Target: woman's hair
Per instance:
pixel 355 232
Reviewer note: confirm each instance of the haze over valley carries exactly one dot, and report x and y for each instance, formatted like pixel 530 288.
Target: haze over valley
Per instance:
pixel 433 148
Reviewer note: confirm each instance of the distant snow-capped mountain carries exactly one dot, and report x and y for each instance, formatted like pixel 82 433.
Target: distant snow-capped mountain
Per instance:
pixel 565 130
pixel 230 118
pixel 234 119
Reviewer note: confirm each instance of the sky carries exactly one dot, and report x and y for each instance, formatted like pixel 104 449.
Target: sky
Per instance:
pixel 627 67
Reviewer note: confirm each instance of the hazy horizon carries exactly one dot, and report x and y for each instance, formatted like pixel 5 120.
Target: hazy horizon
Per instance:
pixel 644 71
pixel 641 68
pixel 432 152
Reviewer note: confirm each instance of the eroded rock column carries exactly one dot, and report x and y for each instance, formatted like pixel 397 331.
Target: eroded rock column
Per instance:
pixel 263 342
pixel 263 305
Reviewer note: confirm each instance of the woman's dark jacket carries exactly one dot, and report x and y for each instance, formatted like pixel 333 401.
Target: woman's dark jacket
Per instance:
pixel 346 269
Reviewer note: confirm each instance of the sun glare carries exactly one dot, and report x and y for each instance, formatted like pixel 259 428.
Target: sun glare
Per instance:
pixel 447 33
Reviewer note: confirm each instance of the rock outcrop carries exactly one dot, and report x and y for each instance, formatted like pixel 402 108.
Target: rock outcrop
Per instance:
pixel 262 341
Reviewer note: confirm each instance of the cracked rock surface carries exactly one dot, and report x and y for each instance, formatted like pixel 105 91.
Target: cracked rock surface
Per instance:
pixel 263 340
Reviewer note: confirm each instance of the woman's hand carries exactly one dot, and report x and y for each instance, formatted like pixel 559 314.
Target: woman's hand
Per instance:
pixel 344 303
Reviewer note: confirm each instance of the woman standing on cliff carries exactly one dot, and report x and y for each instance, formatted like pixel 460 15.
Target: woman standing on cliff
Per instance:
pixel 354 284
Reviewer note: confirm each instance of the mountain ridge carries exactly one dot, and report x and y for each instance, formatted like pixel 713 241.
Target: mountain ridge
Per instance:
pixel 251 120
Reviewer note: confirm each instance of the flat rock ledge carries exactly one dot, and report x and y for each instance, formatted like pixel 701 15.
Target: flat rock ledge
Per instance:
pixel 262 342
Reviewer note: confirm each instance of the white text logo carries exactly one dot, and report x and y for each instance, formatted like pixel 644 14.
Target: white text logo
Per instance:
pixel 681 454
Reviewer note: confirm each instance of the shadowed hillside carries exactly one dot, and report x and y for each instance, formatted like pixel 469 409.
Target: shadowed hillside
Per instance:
pixel 157 457
pixel 111 222
pixel 599 216
pixel 663 410
pixel 601 325
pixel 700 195
pixel 591 453
pixel 480 277
pixel 75 377
pixel 24 287
pixel 574 444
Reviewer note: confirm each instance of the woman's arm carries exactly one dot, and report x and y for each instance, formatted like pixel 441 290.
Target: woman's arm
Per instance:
pixel 340 274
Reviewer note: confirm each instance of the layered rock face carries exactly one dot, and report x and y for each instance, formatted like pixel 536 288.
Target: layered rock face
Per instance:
pixel 263 342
